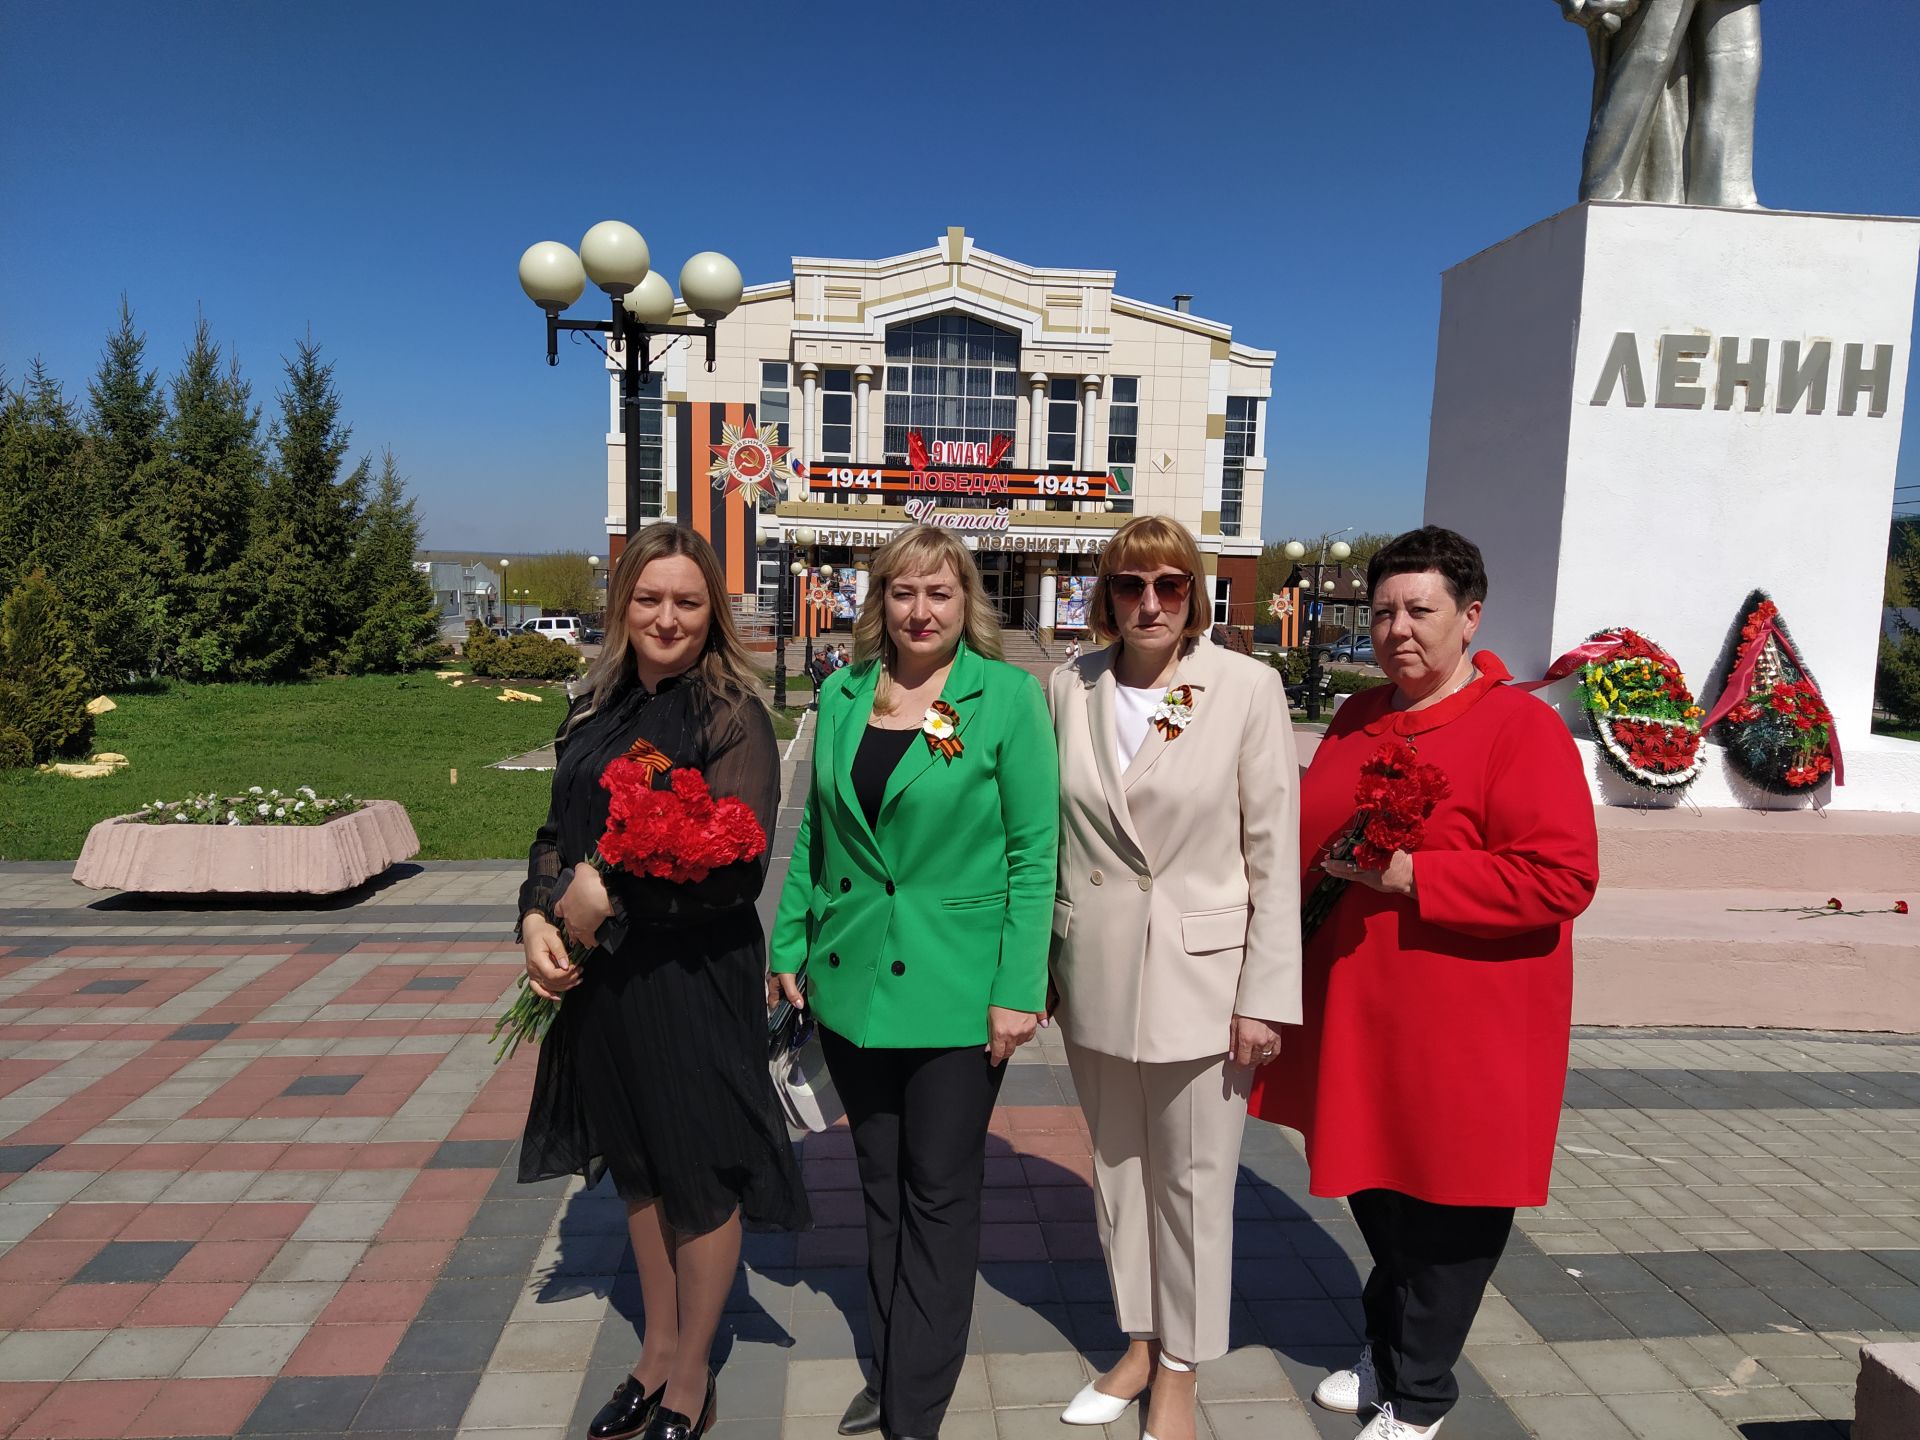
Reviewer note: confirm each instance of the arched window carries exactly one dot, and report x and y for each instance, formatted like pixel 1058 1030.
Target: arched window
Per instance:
pixel 950 377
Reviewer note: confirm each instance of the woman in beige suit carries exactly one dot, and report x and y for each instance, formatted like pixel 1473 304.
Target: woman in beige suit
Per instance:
pixel 1176 950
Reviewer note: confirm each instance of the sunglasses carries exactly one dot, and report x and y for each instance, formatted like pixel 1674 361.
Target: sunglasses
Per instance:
pixel 1168 589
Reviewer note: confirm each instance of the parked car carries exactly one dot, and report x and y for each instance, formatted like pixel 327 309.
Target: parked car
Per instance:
pixel 591 635
pixel 555 627
pixel 504 632
pixel 1358 649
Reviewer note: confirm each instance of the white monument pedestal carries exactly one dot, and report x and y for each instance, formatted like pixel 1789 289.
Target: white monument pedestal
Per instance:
pixel 1642 413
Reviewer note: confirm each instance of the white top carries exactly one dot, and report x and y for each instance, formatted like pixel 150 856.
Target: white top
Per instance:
pixel 1132 712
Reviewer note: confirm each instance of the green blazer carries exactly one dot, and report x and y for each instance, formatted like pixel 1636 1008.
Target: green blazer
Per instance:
pixel 911 929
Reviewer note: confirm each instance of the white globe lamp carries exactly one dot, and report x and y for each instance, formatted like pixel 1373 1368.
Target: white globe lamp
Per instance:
pixel 552 276
pixel 651 301
pixel 711 285
pixel 615 256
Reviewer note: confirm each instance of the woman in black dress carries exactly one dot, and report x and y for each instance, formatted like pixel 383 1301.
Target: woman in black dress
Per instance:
pixel 656 1066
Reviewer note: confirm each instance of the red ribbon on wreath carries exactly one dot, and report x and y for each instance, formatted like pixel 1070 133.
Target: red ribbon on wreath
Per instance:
pixel 1740 685
pixel 1590 652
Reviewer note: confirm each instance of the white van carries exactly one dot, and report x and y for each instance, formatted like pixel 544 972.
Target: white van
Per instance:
pixel 555 627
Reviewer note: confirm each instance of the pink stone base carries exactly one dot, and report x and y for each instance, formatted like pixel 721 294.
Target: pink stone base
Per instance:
pixel 1887 1398
pixel 247 859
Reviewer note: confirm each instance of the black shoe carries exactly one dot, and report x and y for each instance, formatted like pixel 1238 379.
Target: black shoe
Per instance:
pixel 672 1425
pixel 627 1413
pixel 863 1414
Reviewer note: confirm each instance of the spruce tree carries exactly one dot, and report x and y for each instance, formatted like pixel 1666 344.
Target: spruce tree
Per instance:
pixel 125 432
pixel 398 620
pixel 305 524
pixel 46 500
pixel 212 482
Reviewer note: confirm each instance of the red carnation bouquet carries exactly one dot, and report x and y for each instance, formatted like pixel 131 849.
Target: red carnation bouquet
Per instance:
pixel 678 832
pixel 1396 794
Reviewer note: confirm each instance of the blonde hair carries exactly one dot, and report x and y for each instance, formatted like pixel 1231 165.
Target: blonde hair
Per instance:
pixel 1148 542
pixel 920 550
pixel 724 666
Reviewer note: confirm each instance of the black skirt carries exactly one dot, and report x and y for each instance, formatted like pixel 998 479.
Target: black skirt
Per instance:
pixel 656 1069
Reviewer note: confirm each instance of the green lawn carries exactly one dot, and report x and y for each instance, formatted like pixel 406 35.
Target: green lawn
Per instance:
pixel 387 737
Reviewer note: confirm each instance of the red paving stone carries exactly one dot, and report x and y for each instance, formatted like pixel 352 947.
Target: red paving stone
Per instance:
pixel 19 1399
pixel 374 1301
pixel 199 1407
pixel 87 1222
pixel 359 1349
pixel 88 1410
pixel 88 1307
pixel 20 1298
pixel 176 1302
pixel 446 1220
pixel 404 1260
pixel 54 1260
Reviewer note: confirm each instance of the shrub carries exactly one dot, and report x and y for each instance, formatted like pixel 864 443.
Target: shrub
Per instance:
pixel 43 689
pixel 16 751
pixel 523 657
pixel 1352 682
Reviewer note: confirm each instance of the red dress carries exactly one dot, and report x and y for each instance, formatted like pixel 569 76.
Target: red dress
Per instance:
pixel 1433 1053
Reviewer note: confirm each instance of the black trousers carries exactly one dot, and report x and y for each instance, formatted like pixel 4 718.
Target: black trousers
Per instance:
pixel 1431 1264
pixel 919 1122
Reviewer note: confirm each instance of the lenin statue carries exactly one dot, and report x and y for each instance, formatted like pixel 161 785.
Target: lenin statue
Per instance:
pixel 1673 100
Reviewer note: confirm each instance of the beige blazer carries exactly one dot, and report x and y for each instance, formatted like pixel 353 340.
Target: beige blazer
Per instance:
pixel 1178 905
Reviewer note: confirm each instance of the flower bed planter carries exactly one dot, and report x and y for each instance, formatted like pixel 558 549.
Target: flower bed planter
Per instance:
pixel 123 854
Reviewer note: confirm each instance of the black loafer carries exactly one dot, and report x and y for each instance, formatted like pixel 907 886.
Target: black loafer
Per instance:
pixel 863 1414
pixel 627 1413
pixel 672 1425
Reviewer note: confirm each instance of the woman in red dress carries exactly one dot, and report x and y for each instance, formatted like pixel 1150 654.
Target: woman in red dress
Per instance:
pixel 1428 1072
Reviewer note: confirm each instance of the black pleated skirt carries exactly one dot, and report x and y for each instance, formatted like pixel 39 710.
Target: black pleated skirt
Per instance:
pixel 656 1071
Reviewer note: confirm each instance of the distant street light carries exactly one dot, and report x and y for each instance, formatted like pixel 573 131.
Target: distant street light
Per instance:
pixel 1325 548
pixel 615 257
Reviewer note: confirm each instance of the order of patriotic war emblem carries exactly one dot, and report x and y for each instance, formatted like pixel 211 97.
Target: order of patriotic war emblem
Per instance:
pixel 749 463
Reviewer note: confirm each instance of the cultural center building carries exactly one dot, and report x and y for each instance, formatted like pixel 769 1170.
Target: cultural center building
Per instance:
pixel 1032 409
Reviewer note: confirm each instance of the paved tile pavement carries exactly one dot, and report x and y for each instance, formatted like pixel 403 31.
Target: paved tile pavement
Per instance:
pixel 256 1178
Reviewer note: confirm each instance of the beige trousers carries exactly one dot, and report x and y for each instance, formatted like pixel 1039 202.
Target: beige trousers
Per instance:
pixel 1166 1155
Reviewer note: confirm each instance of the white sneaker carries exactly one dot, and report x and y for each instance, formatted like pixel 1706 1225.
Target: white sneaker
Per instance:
pixel 1350 1391
pixel 1385 1427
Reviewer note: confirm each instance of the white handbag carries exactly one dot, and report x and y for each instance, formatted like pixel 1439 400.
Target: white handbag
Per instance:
pixel 799 1068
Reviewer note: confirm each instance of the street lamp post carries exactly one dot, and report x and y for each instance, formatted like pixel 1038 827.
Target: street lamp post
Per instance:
pixel 615 257
pixel 1295 551
pixel 789 571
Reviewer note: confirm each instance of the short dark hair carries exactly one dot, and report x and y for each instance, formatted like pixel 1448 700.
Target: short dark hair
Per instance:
pixel 1432 547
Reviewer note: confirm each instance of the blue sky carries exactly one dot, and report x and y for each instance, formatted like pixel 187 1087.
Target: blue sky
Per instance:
pixel 371 172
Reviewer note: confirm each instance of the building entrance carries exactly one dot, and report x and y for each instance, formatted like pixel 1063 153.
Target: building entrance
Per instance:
pixel 1005 579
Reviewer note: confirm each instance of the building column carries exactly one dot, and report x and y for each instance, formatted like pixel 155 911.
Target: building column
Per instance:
pixel 1089 391
pixel 1049 601
pixel 860 578
pixel 809 382
pixel 1037 430
pixel 862 411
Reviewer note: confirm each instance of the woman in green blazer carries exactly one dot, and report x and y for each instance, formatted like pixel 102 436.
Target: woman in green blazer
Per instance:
pixel 920 900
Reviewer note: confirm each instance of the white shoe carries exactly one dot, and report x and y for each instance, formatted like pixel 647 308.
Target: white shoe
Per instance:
pixel 1385 1427
pixel 1350 1391
pixel 1096 1407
